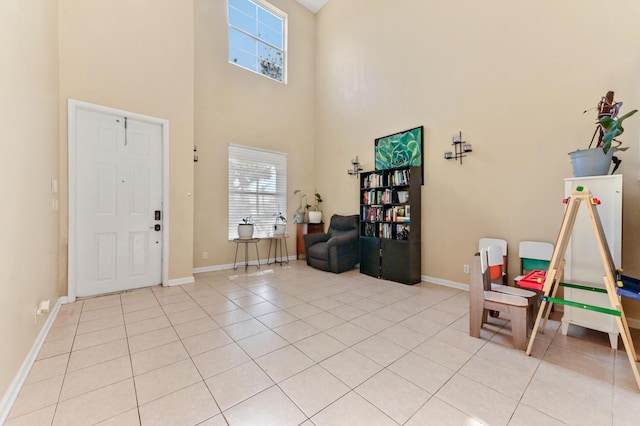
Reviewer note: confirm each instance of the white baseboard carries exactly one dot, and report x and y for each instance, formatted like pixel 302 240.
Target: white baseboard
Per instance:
pixel 633 323
pixel 446 283
pixel 263 262
pixel 14 388
pixel 180 281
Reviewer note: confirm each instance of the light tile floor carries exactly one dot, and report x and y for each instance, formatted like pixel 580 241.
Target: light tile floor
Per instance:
pixel 296 346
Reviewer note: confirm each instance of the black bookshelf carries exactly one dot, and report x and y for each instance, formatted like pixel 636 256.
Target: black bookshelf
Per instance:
pixel 390 231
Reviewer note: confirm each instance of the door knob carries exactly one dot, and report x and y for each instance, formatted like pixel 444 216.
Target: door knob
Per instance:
pixel 157 227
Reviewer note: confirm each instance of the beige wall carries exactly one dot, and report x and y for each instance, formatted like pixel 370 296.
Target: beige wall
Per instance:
pixel 515 79
pixel 239 106
pixel 136 56
pixel 28 162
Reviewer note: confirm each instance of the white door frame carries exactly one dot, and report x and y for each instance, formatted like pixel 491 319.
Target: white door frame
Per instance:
pixel 72 145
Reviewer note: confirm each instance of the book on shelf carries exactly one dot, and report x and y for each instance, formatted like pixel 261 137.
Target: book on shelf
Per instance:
pixel 402 232
pixel 369 230
pixel 399 177
pixel 372 180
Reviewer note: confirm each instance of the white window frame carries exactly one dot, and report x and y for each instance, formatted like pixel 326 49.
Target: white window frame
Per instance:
pixel 279 14
pixel 263 203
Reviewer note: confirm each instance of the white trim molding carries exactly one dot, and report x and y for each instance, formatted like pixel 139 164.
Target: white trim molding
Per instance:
pixel 10 396
pixel 179 281
pixel 446 283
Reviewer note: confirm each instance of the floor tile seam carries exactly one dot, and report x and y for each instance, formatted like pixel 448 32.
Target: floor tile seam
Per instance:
pixel 170 393
pixel 74 349
pixel 92 391
pixel 128 336
pixel 585 354
pixel 129 322
pixel 380 409
pixel 38 408
pixel 368 402
pixel 85 310
pixel 66 372
pixel 308 417
pixel 435 397
pixel 306 337
pixel 95 311
pixel 58 340
pixel 162 366
pixel 98 388
pixel 55 405
pixel 105 318
pixel 518 399
pixel 224 413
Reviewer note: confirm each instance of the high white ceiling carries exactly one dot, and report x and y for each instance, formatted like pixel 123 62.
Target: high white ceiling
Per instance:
pixel 313 5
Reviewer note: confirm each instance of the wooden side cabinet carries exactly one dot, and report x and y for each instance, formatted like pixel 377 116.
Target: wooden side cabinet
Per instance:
pixel 304 229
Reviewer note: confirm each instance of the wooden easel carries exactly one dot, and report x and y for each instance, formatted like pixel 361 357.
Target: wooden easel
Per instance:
pixel 556 270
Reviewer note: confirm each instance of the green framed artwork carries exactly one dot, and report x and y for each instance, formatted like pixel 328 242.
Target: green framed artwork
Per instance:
pixel 400 149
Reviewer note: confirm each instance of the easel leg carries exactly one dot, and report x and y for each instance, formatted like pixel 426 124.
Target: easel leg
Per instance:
pixel 631 352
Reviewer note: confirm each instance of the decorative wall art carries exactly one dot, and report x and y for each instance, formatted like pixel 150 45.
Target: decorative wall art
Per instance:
pixel 400 149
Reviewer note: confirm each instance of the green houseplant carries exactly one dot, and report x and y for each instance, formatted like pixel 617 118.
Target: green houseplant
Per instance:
pixel 280 226
pixel 597 161
pixel 302 206
pixel 315 215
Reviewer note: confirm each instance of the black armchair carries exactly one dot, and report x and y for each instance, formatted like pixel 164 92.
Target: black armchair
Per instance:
pixel 339 249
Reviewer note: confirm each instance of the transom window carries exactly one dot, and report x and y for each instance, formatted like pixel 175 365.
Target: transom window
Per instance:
pixel 257 188
pixel 257 37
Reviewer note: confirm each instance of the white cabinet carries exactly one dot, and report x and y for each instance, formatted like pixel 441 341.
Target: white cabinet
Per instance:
pixel 583 262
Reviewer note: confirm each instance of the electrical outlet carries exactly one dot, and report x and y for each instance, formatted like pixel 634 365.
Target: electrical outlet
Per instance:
pixel 466 269
pixel 205 254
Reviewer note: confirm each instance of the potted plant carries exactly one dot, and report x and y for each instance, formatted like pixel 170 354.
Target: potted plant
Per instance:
pixel 245 229
pixel 315 215
pixel 597 161
pixel 302 208
pixel 280 227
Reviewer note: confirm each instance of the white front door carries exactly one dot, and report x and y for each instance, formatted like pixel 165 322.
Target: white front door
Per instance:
pixel 119 203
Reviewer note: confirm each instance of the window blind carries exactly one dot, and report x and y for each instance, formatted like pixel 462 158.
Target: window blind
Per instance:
pixel 257 188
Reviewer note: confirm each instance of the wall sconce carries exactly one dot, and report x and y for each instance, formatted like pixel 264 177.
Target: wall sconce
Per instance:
pixel 195 153
pixel 460 149
pixel 357 168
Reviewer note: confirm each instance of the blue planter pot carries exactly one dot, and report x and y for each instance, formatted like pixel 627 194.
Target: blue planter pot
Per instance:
pixel 591 162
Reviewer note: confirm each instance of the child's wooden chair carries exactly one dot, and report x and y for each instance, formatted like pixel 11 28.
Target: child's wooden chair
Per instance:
pixel 482 299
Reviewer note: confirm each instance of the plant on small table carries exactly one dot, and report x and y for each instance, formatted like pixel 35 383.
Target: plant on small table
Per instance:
pixel 245 229
pixel 302 207
pixel 280 227
pixel 315 215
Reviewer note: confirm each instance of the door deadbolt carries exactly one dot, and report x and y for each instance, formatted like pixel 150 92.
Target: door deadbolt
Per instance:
pixel 158 215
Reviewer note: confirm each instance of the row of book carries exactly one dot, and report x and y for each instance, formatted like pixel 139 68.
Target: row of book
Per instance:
pixel 387 230
pixel 377 197
pixel 372 181
pixel 389 214
pixel 393 178
pixel 399 177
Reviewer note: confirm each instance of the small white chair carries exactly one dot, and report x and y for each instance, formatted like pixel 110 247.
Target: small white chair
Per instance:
pixel 485 243
pixel 482 299
pixel 494 262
